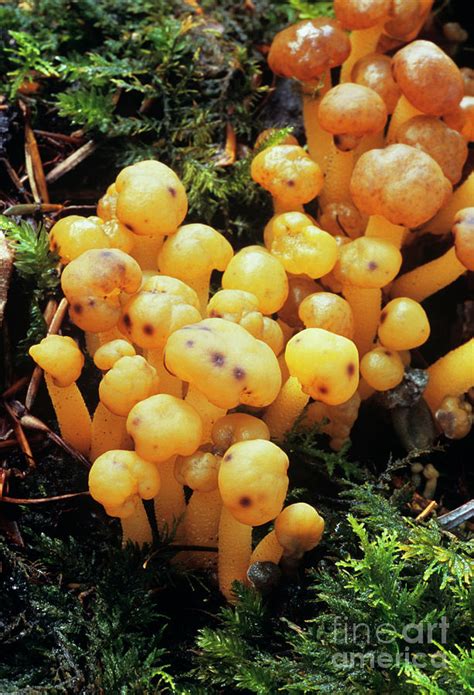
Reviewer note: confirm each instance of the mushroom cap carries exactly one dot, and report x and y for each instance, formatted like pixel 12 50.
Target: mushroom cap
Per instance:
pixel 325 364
pixel 405 17
pixel 237 306
pixel 198 471
pixel 361 14
pixel 403 325
pixel 428 78
pixel 400 183
pixel 238 427
pixel 299 528
pixel 255 270
pixel 267 135
pixel 109 353
pixel 299 287
pixel 368 262
pixel 119 479
pixel 446 146
pixel 92 284
pixel 72 235
pixel 118 236
pixel 107 205
pixel 129 381
pixel 308 49
pixel 194 251
pixel 280 221
pixel 302 247
pixel 466 108
pixel 151 199
pixel 382 368
pixel 227 364
pixel 352 109
pixel 375 71
pixel 60 357
pixel 162 426
pixel 272 334
pixel 329 311
pixel 342 218
pixel 463 230
pixel 253 481
pixel 288 173
pixel 163 305
pixel 467 75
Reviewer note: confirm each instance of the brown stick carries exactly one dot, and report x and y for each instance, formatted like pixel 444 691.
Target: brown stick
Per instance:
pixel 59 136
pixel 427 510
pixel 34 165
pixel 72 161
pixel 32 208
pixel 42 500
pixel 14 388
pixel 16 179
pixel 20 436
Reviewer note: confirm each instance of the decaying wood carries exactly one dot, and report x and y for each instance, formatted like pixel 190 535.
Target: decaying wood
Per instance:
pixel 6 266
pixel 72 161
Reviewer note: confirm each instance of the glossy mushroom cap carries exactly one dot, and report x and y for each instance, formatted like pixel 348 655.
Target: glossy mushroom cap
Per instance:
pixel 446 146
pixel 302 247
pixel 108 354
pixel 428 78
pixel 349 111
pixel 162 426
pixel 288 173
pixel 239 307
pixel 382 368
pixel 238 427
pixel 279 221
pixel 375 71
pixel 325 364
pixel 299 528
pixel 129 381
pixel 120 479
pixel 328 311
pixel 72 235
pixel 308 49
pixel 227 364
pixel 255 270
pixel 107 205
pixel 193 252
pixel 198 471
pixel 403 325
pixel 92 284
pixel 368 262
pixel 361 14
pixel 163 305
pixel 253 481
pixel 299 288
pixel 405 17
pixel 463 230
pixel 60 357
pixel 151 199
pixel 400 183
pixel 342 218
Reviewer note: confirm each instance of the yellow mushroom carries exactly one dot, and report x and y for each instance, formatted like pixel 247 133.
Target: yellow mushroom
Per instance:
pixel 451 375
pixel 403 325
pixel 329 311
pixel 334 420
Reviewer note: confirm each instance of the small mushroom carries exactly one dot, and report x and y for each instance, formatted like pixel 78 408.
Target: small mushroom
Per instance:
pixel 329 311
pixel 454 417
pixel 451 375
pixel 403 325
pixel 334 420
pixel 237 427
pixel 72 235
pixel 109 353
pixel 375 71
pixel 382 368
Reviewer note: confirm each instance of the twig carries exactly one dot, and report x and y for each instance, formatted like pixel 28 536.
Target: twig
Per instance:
pixel 20 435
pixel 14 388
pixel 427 510
pixel 59 136
pixel 457 516
pixel 42 500
pixel 32 208
pixel 34 165
pixel 33 423
pixel 16 179
pixel 72 161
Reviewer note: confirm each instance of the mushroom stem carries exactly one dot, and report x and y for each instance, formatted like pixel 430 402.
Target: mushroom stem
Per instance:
pixel 201 286
pixel 168 382
pixel 286 408
pixel 429 278
pixel 111 334
pixel 71 412
pixel 136 528
pixel 279 207
pixel 338 177
pixel 201 525
pixel 108 432
pixel 462 197
pixel 145 251
pixel 170 504
pixel 235 549
pixel 363 42
pixel 380 228
pixel 268 550
pixel 366 305
pixel 376 141
pixel 319 140
pixel 451 375
pixel 92 342
pixel 208 412
pixel 402 113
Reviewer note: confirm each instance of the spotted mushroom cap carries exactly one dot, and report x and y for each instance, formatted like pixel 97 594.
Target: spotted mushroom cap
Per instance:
pixel 237 306
pixel 299 528
pixel 401 183
pixel 428 78
pixel 72 235
pixel 253 481
pixel 361 14
pixel 255 270
pixel 162 426
pixel 368 262
pixel 92 284
pixel 60 357
pixel 463 230
pixel 227 364
pixel 288 173
pixel 129 381
pixel 375 71
pixel 349 111
pixel 151 199
pixel 238 427
pixel 120 479
pixel 194 251
pixel 163 305
pixel 308 49
pixel 109 353
pixel 325 364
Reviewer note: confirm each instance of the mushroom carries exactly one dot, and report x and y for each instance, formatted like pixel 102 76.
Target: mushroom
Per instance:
pixel 255 270
pixel 299 287
pixel 109 353
pixel 342 218
pixel 454 417
pixel 107 205
pixel 307 51
pixel 72 235
pixel 253 483
pixel 334 420
pixel 328 311
pixel 462 119
pixel 462 197
pixel 382 368
pixel 375 71
pixel 403 325
pixel 451 375
pixel 430 82
pixel 289 174
pixel 237 427
pixel 192 254
pixel 163 427
pixel 119 480
pixel 62 362
pixel 425 280
pixel 286 408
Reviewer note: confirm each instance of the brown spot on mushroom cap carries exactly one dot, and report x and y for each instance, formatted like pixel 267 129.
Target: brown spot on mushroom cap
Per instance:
pixel 360 14
pixel 428 78
pixel 352 109
pixel 189 343
pixel 323 389
pixel 245 502
pixel 308 49
pixel 78 308
pixel 172 191
pixel 372 265
pixel 351 369
pixel 127 320
pixel 148 329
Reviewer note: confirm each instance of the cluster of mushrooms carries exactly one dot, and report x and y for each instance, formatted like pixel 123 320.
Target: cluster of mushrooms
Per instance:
pixel 307 325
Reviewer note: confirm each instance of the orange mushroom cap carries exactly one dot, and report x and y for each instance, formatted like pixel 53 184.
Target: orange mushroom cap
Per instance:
pixel 375 71
pixel 361 14
pixel 463 230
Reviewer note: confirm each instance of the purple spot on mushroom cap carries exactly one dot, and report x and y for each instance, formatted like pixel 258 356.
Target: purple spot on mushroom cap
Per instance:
pixel 245 502
pixel 218 359
pixel 239 373
pixel 372 265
